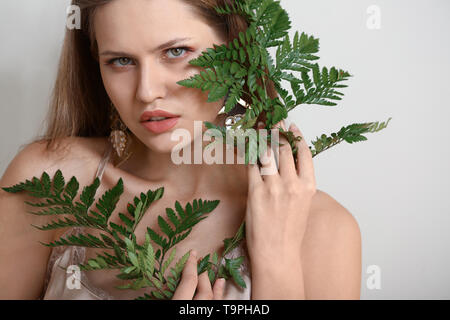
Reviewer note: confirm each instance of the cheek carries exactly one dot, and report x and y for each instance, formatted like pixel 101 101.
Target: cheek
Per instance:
pixel 212 109
pixel 199 109
pixel 118 86
pixel 198 98
pixel 205 110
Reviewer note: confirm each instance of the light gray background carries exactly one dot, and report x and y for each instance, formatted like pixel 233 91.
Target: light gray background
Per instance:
pixel 396 183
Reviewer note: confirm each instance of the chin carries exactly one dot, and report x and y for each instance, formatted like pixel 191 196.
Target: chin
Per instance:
pixel 163 143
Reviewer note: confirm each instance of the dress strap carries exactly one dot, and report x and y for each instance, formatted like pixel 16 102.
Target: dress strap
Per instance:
pixel 103 162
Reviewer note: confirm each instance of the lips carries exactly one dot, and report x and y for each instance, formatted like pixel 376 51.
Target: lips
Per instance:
pixel 159 126
pixel 147 115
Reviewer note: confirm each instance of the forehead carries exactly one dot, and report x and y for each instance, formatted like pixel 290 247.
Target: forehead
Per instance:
pixel 138 23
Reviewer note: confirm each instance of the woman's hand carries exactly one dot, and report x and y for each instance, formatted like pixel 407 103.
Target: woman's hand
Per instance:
pixel 191 283
pixel 278 204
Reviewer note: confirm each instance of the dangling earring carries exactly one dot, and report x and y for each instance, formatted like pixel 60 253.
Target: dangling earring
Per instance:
pixel 230 121
pixel 119 137
pixel 233 118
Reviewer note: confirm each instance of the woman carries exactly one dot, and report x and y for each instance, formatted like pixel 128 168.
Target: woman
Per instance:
pixel 300 242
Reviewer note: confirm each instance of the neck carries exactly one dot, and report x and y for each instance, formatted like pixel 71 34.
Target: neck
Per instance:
pixel 159 168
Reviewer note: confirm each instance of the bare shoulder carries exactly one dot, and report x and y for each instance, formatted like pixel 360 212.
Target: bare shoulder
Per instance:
pixel 331 251
pixel 25 265
pixel 74 156
pixel 327 212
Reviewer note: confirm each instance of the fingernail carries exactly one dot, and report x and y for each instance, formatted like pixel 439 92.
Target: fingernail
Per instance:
pixel 194 253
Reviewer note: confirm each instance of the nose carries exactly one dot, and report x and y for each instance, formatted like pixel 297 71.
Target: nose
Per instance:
pixel 150 84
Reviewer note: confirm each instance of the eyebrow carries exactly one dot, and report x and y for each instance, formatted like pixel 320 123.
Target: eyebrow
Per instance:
pixel 160 47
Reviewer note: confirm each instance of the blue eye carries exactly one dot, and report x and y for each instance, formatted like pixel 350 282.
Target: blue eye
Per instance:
pixel 177 49
pixel 122 62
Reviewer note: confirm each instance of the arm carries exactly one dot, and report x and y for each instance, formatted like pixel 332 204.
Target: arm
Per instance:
pixel 331 256
pixel 23 260
pixel 329 266
pixel 280 280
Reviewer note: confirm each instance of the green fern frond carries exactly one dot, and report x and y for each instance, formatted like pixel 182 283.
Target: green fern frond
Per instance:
pixel 246 61
pixel 137 263
pixel 232 266
pixel 352 133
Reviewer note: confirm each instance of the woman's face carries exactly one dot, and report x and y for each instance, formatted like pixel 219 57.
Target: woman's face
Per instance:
pixel 141 75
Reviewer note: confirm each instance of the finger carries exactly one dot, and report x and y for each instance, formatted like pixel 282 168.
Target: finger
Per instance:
pixel 188 283
pixel 204 290
pixel 254 176
pixel 305 166
pixel 286 159
pixel 277 140
pixel 253 173
pixel 280 124
pixel 218 289
pixel 269 167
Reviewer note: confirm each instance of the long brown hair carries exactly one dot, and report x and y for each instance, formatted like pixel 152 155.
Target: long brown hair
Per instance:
pixel 79 105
